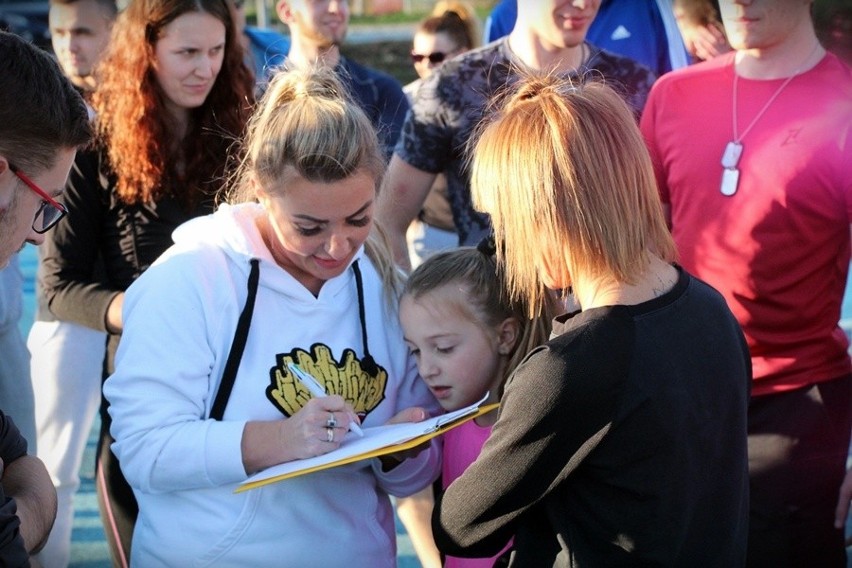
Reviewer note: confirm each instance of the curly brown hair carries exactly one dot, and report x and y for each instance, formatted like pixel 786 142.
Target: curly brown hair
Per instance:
pixel 134 126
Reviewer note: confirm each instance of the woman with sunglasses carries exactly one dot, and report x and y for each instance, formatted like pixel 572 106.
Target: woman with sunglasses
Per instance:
pixel 173 94
pixel 451 30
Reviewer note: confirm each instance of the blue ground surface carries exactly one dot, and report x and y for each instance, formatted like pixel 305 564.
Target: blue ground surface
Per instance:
pixel 88 545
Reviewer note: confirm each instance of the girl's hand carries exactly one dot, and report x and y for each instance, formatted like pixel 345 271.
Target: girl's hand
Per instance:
pixel 704 41
pixel 413 414
pixel 709 41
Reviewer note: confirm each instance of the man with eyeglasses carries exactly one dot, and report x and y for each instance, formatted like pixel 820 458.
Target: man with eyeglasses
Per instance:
pixel 15 228
pixel 43 121
pixel 16 390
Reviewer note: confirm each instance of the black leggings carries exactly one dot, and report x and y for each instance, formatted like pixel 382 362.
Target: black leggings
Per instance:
pixel 116 502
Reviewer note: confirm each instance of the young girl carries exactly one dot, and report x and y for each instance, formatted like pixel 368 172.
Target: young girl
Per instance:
pixel 467 336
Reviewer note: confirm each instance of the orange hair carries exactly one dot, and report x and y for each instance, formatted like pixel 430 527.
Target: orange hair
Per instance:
pixel 133 124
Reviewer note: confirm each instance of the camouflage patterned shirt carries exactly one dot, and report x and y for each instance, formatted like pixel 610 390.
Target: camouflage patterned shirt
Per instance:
pixel 451 102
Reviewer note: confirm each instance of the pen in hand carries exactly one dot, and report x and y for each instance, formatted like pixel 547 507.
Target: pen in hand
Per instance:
pixel 317 390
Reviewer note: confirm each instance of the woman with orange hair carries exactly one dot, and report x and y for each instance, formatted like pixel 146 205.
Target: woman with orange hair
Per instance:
pixel 622 440
pixel 173 94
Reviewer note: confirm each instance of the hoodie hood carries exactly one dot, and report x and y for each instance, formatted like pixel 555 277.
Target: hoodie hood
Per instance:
pixel 232 228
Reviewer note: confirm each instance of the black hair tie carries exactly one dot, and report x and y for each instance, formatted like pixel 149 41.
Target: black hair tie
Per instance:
pixel 487 246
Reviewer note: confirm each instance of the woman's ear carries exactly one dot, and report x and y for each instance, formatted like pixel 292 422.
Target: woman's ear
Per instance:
pixel 257 190
pixel 6 188
pixel 284 9
pixel 507 335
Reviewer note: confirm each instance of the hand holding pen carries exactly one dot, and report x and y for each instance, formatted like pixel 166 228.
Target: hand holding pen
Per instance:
pixel 317 390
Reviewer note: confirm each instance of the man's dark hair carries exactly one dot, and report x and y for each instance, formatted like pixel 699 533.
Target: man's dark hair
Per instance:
pixel 40 111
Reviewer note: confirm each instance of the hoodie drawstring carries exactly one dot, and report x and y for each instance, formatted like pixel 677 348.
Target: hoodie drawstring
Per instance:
pixel 238 345
pixel 232 365
pixel 368 364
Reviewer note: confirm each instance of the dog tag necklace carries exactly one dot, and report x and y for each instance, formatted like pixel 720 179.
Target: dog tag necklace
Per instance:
pixel 734 149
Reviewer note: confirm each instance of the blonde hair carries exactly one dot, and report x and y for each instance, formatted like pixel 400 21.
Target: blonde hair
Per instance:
pixel 486 297
pixel 307 126
pixel 564 172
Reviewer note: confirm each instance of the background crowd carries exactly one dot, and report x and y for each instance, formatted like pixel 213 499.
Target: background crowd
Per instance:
pixel 674 177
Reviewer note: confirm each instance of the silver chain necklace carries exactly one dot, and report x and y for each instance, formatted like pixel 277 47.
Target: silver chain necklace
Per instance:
pixel 734 149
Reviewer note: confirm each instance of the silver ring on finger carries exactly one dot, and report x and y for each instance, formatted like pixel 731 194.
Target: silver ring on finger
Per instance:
pixel 331 422
pixel 329 434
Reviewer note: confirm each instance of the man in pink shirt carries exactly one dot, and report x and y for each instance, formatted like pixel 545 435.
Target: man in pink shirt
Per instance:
pixel 753 153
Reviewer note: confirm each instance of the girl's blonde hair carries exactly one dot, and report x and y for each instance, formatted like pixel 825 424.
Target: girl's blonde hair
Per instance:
pixel 486 298
pixel 308 126
pixel 564 173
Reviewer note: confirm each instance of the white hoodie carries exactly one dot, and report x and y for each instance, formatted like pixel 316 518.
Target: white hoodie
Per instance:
pixel 180 318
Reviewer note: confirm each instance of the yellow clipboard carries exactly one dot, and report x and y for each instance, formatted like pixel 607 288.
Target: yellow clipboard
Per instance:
pixel 377 441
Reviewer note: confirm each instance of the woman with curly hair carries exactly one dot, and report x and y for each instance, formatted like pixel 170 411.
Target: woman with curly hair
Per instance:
pixel 173 95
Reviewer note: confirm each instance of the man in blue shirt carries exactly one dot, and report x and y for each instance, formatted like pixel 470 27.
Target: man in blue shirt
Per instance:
pixel 643 30
pixel 317 29
pixel 266 48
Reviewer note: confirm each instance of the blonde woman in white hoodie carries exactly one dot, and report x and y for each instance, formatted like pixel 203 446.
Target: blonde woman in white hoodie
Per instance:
pixel 296 251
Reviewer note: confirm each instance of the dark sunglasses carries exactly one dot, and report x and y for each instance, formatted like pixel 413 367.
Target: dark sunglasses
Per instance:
pixel 435 57
pixel 49 212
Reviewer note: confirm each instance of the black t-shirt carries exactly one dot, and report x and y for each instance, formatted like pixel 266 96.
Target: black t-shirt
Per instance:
pixel 622 441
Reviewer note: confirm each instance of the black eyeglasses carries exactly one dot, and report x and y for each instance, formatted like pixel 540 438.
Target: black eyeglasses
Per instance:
pixel 49 212
pixel 239 4
pixel 434 57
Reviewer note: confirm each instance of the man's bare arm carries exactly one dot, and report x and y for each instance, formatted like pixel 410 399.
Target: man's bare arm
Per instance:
pixel 26 480
pixel 403 193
